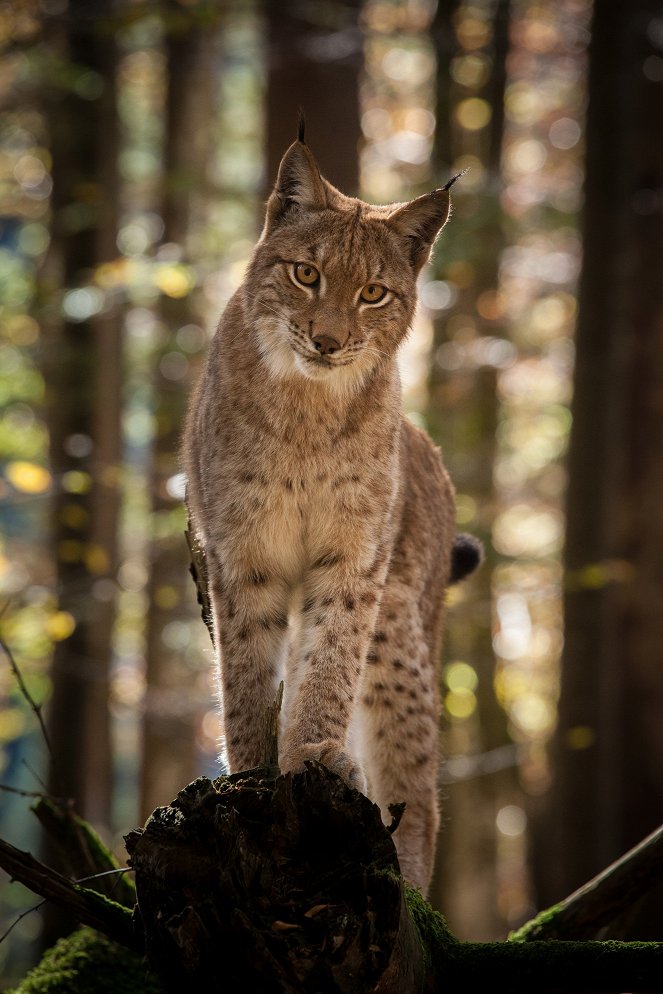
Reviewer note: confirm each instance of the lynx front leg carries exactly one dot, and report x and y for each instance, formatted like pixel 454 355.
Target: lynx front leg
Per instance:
pixel 250 621
pixel 339 612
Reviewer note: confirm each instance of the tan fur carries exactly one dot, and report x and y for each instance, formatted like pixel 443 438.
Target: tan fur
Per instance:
pixel 326 517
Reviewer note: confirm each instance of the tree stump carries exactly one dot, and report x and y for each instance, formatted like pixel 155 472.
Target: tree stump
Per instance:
pixel 280 884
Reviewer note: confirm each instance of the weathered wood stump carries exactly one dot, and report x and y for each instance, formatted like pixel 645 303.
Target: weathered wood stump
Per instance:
pixel 289 884
pixel 277 884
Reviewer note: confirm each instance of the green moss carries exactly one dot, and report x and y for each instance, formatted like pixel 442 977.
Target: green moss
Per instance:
pixel 88 963
pixel 434 934
pixel 554 966
pixel 532 929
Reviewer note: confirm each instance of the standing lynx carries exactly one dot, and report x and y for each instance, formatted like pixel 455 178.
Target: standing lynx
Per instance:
pixel 326 517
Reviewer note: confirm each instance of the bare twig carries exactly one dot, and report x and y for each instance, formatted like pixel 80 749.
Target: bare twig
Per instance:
pixel 19 918
pixel 104 873
pixel 36 708
pixel 44 788
pixel 21 793
pixel 83 853
pixel 271 758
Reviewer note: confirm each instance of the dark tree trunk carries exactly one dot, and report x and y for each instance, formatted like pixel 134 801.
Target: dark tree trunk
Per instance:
pixel 609 747
pixel 314 59
pixel 83 374
pixel 169 756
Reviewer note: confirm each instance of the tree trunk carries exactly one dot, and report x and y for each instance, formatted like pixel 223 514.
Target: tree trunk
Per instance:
pixel 330 919
pixel 83 375
pixel 609 747
pixel 314 59
pixel 169 755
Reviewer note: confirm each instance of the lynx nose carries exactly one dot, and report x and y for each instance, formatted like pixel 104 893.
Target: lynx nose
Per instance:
pixel 326 345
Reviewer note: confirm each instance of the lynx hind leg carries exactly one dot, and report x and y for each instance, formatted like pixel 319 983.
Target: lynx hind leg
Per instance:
pixel 399 715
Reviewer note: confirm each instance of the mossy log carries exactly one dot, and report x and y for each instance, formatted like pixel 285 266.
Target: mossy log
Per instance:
pixel 291 884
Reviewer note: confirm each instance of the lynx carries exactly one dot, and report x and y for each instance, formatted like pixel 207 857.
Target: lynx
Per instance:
pixel 325 516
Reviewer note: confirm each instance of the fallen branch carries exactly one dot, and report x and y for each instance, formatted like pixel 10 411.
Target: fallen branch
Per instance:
pixel 600 901
pixel 86 905
pixel 552 967
pixel 82 852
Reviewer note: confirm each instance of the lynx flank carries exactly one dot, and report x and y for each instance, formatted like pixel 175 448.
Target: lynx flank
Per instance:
pixel 326 517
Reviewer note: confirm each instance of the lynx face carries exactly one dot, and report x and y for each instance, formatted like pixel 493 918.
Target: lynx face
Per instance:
pixel 330 308
pixel 332 286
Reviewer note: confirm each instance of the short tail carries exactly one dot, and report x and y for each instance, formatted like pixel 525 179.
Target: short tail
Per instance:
pixel 466 556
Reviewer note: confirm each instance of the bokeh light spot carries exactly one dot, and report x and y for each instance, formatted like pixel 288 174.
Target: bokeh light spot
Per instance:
pixel 473 113
pixel 28 477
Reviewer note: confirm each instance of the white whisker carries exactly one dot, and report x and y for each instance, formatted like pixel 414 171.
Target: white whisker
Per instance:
pixel 264 303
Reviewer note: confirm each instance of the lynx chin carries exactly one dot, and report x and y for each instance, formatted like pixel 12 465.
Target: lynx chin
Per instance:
pixel 326 517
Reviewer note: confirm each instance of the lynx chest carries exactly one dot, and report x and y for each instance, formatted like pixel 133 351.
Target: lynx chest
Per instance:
pixel 301 491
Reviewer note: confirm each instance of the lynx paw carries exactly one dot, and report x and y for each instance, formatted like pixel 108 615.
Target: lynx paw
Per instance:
pixel 330 755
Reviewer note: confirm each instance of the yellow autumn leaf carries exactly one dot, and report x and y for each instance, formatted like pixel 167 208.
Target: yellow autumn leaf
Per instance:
pixel 69 550
pixel 460 703
pixel 473 113
pixel 74 516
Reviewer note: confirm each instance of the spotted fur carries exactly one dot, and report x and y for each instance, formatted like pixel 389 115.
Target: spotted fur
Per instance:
pixel 326 516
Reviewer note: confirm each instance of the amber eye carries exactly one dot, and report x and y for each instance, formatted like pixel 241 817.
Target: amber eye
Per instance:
pixel 306 275
pixel 372 293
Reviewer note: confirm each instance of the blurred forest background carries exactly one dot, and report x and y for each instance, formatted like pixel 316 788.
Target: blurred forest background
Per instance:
pixel 138 142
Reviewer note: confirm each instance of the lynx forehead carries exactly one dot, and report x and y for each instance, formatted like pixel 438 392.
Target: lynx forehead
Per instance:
pixel 326 517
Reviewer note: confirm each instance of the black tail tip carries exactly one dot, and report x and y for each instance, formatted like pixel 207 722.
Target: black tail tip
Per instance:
pixel 466 556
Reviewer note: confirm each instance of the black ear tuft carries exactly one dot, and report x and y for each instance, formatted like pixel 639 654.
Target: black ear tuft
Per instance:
pixel 301 127
pixel 466 556
pixel 447 186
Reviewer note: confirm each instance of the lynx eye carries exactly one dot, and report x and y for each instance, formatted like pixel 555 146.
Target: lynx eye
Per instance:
pixel 306 275
pixel 372 293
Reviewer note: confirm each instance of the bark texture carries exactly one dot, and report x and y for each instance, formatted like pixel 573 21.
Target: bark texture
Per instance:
pixel 291 885
pixel 278 885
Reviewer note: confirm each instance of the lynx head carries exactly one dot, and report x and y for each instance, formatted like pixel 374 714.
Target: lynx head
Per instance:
pixel 331 290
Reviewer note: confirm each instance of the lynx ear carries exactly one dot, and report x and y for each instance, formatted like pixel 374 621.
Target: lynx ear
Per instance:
pixel 299 186
pixel 421 221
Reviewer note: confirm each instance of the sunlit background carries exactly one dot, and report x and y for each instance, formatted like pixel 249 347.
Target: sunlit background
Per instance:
pixel 496 88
